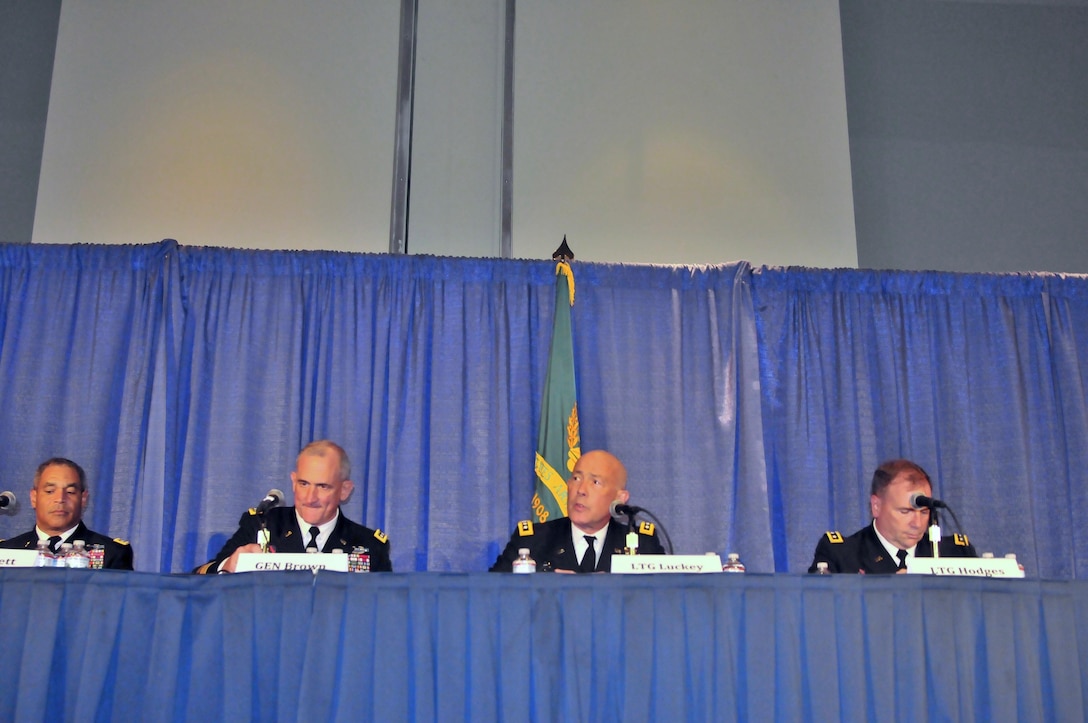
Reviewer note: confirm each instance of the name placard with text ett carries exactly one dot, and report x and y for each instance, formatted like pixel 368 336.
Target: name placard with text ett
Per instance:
pixel 18 558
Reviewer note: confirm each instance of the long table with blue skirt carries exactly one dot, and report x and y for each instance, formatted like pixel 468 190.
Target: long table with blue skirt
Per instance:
pixel 107 645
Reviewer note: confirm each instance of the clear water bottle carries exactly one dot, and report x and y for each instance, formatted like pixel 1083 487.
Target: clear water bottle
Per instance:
pixel 733 563
pixel 821 568
pixel 524 564
pixel 45 556
pixel 78 557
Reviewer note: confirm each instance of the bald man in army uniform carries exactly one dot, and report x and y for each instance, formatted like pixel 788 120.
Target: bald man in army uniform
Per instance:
pixel 898 531
pixel 564 544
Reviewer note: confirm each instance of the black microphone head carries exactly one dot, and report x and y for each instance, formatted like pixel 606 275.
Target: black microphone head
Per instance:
pixel 7 499
pixel 618 508
pixel 274 498
pixel 920 501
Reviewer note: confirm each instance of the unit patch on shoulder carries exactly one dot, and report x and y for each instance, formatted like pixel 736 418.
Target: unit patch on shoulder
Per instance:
pixel 119 541
pixel 960 540
pixel 645 528
pixel 834 537
pixel 525 528
pixel 380 536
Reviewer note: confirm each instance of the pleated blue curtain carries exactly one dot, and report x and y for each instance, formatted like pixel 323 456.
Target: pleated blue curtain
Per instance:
pixel 80 345
pixel 669 381
pixel 749 406
pixel 425 370
pixel 121 646
pixel 953 371
pixel 429 372
pixel 1066 535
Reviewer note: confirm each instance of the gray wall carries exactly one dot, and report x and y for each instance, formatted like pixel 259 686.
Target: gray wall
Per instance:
pixel 28 40
pixel 968 134
pixel 968 126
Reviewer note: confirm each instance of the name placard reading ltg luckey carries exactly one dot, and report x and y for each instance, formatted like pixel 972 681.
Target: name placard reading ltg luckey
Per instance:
pixel 653 564
pixel 313 561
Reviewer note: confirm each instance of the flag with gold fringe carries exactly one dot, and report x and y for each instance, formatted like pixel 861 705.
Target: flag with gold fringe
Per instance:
pixel 558 443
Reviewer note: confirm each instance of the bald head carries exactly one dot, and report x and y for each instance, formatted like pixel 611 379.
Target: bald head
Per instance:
pixel 598 480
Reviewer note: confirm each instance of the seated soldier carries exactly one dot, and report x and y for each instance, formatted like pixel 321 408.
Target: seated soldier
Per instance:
pixel 586 539
pixel 58 497
pixel 898 530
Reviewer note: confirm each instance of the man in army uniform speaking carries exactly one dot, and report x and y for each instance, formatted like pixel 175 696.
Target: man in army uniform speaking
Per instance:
pixel 586 539
pixel 898 530
pixel 320 483
pixel 58 497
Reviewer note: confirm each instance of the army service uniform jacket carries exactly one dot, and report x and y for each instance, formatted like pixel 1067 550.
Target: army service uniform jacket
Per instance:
pixel 285 536
pixel 552 545
pixel 117 553
pixel 863 552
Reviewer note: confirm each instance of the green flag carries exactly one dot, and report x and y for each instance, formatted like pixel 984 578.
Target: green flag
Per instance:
pixel 558 443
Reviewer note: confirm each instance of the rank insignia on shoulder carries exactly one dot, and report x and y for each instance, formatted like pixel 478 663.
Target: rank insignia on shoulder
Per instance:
pixel 960 540
pixel 835 537
pixel 119 541
pixel 645 528
pixel 380 536
pixel 525 528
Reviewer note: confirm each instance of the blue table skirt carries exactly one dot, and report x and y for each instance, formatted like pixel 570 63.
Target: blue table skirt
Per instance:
pixel 110 645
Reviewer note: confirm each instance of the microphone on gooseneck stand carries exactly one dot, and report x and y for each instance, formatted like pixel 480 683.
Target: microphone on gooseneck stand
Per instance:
pixel 7 499
pixel 274 498
pixel 920 501
pixel 618 509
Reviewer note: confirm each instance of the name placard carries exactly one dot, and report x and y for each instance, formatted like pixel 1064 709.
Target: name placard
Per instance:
pixel 654 564
pixel 18 558
pixel 313 561
pixel 967 566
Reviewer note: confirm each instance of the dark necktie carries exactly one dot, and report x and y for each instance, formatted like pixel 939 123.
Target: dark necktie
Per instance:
pixel 313 538
pixel 589 560
pixel 54 543
pixel 902 555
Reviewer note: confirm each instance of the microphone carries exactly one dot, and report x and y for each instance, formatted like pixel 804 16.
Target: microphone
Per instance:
pixel 618 508
pixel 7 499
pixel 274 498
pixel 920 501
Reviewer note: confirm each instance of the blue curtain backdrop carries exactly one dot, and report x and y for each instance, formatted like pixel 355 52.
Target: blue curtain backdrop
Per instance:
pixel 750 405
pixel 80 353
pixel 954 371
